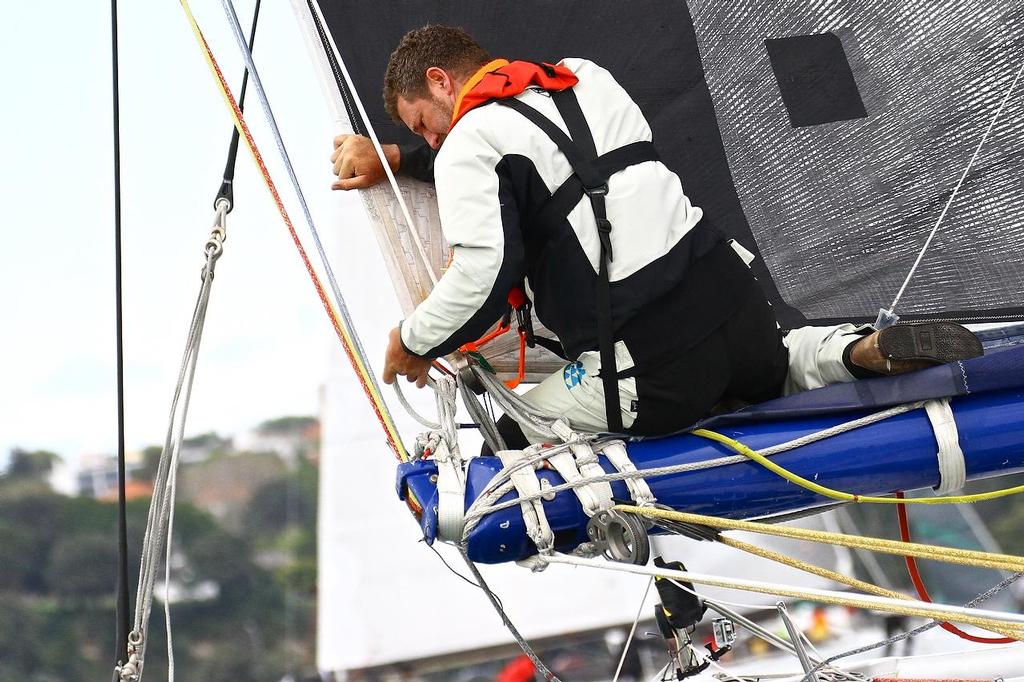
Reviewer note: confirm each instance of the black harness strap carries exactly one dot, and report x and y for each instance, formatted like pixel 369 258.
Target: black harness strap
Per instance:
pixel 571 191
pixel 590 178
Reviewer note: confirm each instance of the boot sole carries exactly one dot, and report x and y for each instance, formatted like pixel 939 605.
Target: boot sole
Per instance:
pixel 938 342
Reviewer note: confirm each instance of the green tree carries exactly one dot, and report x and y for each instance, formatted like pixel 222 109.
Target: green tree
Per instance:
pixel 286 425
pixel 150 463
pixel 82 567
pixel 32 465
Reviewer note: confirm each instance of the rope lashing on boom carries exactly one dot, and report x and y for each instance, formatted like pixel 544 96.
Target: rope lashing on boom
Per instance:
pixel 488 502
pixel 340 320
pixel 830 493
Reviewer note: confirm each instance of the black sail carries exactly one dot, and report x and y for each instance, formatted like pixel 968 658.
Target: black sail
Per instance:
pixel 825 137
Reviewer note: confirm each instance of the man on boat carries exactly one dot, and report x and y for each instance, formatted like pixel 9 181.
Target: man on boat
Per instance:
pixel 623 268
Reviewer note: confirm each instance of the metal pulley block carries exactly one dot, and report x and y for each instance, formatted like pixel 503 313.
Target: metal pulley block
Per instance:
pixel 619 537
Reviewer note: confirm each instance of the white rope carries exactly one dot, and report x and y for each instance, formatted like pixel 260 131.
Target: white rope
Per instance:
pixel 782 590
pixel 339 300
pixel 160 517
pixel 513 404
pixel 413 232
pixel 632 630
pixel 433 426
pixel 476 512
pixel 737 604
pixel 963 176
pixel 530 491
pixel 167 574
pixel 952 467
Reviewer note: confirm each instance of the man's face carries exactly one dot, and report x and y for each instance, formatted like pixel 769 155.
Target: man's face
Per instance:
pixel 430 117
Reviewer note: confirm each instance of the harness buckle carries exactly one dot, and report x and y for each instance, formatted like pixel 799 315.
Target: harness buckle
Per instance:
pixel 599 191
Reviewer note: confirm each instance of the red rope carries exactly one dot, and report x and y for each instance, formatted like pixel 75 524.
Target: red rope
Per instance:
pixel 922 591
pixel 392 438
pixel 321 293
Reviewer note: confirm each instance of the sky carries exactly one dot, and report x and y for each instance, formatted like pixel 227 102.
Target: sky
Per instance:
pixel 266 345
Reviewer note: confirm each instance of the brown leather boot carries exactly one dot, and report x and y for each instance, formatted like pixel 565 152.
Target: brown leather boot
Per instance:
pixel 908 347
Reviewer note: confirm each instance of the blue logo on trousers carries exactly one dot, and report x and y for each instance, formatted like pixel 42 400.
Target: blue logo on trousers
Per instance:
pixel 573 374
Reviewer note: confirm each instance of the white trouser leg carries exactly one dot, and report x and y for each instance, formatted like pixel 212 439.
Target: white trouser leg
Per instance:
pixel 576 393
pixel 816 356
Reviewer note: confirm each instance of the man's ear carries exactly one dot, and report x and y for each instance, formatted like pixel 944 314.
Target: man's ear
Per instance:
pixel 439 81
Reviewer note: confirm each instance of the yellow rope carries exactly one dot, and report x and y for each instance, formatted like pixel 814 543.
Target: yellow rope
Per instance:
pixel 963 557
pixel 844 496
pixel 855 601
pixel 835 576
pixel 337 321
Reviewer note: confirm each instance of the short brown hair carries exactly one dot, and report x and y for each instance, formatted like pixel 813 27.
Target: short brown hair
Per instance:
pixel 445 47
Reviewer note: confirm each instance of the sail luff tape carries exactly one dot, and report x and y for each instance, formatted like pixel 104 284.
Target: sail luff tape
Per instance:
pixel 952 467
pixel 413 232
pixel 346 338
pixel 342 308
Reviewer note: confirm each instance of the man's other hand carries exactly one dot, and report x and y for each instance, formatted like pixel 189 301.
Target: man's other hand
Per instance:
pixel 397 361
pixel 356 162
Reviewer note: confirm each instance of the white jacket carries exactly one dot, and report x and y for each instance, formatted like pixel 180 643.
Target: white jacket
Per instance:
pixel 494 171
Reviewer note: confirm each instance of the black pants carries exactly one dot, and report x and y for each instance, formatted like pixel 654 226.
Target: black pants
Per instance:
pixel 741 361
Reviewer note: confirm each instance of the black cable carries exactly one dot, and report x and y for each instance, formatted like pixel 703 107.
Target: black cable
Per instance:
pixel 998 587
pixel 449 567
pixel 226 188
pixel 542 669
pixel 123 597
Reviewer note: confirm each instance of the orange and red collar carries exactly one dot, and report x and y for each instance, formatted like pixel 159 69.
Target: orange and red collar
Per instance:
pixel 501 78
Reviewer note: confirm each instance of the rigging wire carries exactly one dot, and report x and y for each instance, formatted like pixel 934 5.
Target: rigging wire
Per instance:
pixel 341 324
pixel 922 590
pixel 226 191
pixel 340 315
pixel 123 595
pixel 496 603
pixel 159 521
pixel 952 196
pixel 984 596
pixel 632 630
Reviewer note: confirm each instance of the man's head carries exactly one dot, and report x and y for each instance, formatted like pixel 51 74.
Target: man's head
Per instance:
pixel 424 76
